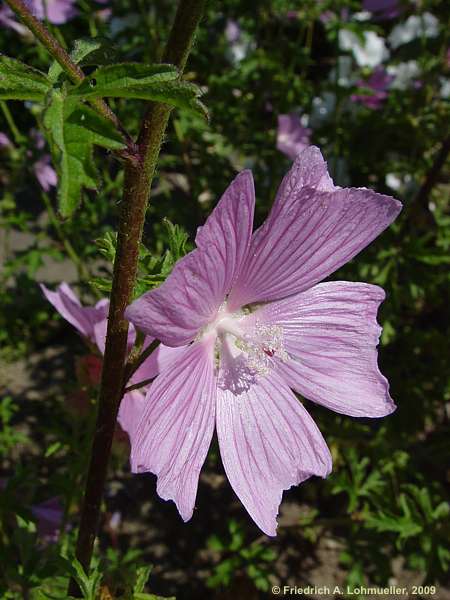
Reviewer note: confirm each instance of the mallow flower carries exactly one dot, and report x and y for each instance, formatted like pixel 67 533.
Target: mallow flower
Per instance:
pixel 45 173
pixel 91 323
pixel 57 12
pixel 292 136
pixel 49 515
pixel 374 89
pixel 255 325
pixel 383 9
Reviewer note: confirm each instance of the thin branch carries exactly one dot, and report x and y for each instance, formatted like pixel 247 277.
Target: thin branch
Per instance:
pixel 137 386
pixel 132 366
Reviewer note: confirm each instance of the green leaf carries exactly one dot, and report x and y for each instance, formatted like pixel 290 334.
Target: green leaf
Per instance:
pixel 159 83
pixel 178 240
pixel 74 129
pixel 88 51
pixel 142 575
pixel 18 81
pixel 94 51
pixel 52 449
pixel 89 584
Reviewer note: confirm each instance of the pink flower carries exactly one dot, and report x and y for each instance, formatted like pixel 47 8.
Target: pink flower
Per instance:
pixel 7 19
pixel 49 516
pixel 55 11
pixel 91 322
pixel 292 137
pixel 45 173
pixel 383 9
pixel 5 142
pixel 377 86
pixel 254 322
pixel 232 31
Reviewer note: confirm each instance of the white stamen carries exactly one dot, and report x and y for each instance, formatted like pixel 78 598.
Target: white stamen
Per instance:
pixel 243 354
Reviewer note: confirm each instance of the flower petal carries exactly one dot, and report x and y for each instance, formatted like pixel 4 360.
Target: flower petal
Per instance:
pixel 196 288
pixel 268 442
pixel 68 305
pixel 176 427
pixel 159 360
pixel 331 335
pixel 313 229
pixel 130 411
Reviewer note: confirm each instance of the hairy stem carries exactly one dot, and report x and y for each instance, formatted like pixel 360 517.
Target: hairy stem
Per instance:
pixel 138 179
pixel 61 56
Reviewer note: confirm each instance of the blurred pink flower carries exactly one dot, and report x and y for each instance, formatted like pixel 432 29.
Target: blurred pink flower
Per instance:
pixel 253 322
pixel 7 19
pixel 55 11
pixel 91 322
pixel 49 516
pixel 292 136
pixel 45 173
pixel 232 31
pixel 383 9
pixel 376 86
pixel 5 142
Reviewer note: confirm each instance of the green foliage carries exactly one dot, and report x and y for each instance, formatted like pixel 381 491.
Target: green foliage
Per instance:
pixel 153 269
pixel 359 482
pixel 160 83
pixel 9 436
pixel 87 52
pixel 21 82
pixel 237 557
pixel 74 129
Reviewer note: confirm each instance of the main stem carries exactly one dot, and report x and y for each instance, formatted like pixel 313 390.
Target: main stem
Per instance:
pixel 138 179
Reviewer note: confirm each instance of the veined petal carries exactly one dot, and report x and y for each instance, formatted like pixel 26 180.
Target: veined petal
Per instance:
pixel 159 360
pixel 69 307
pixel 331 335
pixel 313 229
pixel 268 442
pixel 130 411
pixel 199 283
pixel 176 427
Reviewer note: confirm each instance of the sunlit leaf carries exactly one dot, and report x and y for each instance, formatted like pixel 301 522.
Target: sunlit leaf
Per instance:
pixel 18 81
pixel 160 83
pixel 74 129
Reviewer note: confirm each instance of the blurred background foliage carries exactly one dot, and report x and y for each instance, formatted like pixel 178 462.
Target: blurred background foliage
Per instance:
pixel 386 502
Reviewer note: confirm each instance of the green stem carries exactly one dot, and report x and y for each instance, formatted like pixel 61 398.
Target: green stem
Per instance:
pixel 18 137
pixel 137 183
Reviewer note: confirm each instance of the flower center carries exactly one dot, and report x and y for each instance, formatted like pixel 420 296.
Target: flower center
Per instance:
pixel 244 349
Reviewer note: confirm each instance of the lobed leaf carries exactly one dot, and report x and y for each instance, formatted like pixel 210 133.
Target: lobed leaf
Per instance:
pixel 159 83
pixel 74 129
pixel 87 51
pixel 18 81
